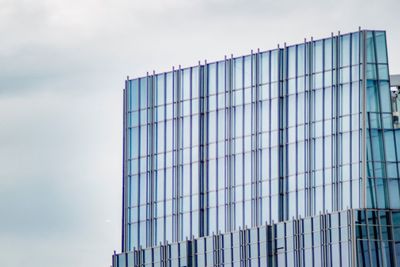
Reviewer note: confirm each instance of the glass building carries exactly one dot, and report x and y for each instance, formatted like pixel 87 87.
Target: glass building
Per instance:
pixel 288 157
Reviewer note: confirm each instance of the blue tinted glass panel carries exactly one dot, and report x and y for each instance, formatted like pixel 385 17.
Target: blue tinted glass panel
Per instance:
pixel 370 47
pixel 134 94
pixel 345 50
pixel 318 56
pixel 143 93
pixel 380 39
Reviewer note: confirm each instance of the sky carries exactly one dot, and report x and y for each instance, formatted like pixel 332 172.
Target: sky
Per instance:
pixel 62 70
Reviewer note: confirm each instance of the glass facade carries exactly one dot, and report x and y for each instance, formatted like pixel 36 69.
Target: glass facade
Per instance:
pixel 259 142
pixel 365 237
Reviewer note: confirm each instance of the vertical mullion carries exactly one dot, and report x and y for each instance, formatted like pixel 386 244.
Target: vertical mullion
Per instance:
pixel 269 137
pixel 364 119
pixel 174 161
pixel 323 128
pixel 310 105
pixel 226 148
pixel 231 156
pixel 125 176
pixel 336 194
pixel 296 144
pixel 351 122
pixel 165 160
pixel 255 147
pixel 190 151
pixel 242 137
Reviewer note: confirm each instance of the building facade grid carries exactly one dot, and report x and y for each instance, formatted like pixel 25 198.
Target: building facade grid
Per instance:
pixel 255 140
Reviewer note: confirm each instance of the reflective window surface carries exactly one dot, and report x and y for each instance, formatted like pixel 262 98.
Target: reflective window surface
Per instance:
pixel 323 240
pixel 260 139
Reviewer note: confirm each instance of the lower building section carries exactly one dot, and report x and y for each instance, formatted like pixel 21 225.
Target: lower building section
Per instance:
pixel 362 237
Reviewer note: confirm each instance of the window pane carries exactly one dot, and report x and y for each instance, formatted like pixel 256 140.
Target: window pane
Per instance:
pixel 380 39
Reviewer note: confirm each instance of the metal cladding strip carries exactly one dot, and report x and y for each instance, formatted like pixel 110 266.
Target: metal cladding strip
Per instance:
pixel 242 134
pixel 206 148
pixel 336 175
pixel 308 92
pixel 217 161
pixel 296 132
pixel 204 89
pixel 199 155
pixel 177 155
pixel 332 120
pixel 285 124
pixel 191 148
pixel 150 174
pixel 364 123
pixel 226 148
pixel 256 173
pixel 351 88
pixel 269 138
pixel 323 127
pixel 229 165
pixel 124 171
pixel 281 207
pixel 201 151
pixel 164 156
pixel 153 162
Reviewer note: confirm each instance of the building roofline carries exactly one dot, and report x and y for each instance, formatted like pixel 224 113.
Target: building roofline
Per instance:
pixel 205 62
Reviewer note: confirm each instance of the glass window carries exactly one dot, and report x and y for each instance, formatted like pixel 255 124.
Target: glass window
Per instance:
pixel 264 68
pixel 345 99
pixel 380 39
pixel 143 93
pixel 185 84
pixel 238 97
pixel 247 120
pixel 134 193
pixel 221 76
pixel 239 121
pixel 300 60
pixel 238 73
pixel 247 71
pixel 355 51
pixel 318 80
pixel 134 139
pixel 300 109
pixel 370 48
pixel 134 94
pixel 160 90
pixel 274 65
pixel 212 78
pixel 169 89
pixel 372 96
pixel 318 56
pixel 328 53
pixel 319 101
pixel 390 146
pixel 292 62
pixel 292 110
pixel 345 50
pixel 385 96
pixel 195 82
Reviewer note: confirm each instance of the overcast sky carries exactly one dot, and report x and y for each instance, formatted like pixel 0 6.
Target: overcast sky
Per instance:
pixel 62 70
